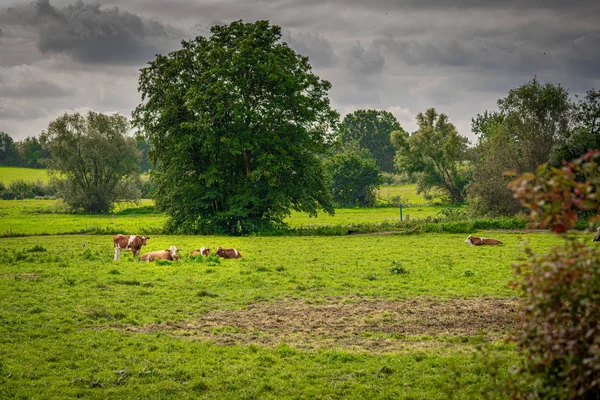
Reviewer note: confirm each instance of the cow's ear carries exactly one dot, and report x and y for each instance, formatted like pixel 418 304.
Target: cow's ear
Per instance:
pixel 147 237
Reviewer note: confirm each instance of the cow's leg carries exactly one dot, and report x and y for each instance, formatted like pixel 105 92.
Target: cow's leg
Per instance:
pixel 134 254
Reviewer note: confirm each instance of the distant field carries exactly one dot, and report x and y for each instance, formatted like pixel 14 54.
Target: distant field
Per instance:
pixel 405 194
pixel 10 174
pixel 346 216
pixel 37 217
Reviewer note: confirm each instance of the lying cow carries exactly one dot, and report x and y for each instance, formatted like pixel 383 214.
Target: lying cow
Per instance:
pixel 477 241
pixel 170 254
pixel 228 253
pixel 201 251
pixel 597 237
pixel 128 242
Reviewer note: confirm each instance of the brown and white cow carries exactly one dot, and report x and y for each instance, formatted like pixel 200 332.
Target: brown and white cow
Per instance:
pixel 228 253
pixel 201 251
pixel 597 237
pixel 478 241
pixel 128 242
pixel 170 254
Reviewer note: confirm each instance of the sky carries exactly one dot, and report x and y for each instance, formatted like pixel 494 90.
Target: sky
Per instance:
pixel 403 56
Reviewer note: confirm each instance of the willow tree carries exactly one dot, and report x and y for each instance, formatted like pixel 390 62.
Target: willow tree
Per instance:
pixel 237 123
pixel 435 155
pixel 93 161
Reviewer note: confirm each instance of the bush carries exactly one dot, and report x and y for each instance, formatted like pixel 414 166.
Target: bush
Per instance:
pixel 561 289
pixel 355 177
pixel 147 189
pixel 19 189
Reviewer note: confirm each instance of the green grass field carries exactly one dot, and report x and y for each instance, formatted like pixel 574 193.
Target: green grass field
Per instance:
pixel 314 317
pixel 297 317
pixel 406 194
pixel 10 174
pixel 45 217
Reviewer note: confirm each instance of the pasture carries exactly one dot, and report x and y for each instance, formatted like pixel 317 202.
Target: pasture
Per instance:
pixel 46 217
pixel 380 316
pixel 10 174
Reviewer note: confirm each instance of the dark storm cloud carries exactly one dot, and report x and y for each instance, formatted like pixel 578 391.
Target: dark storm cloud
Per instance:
pixel 363 61
pixel 315 47
pixel 90 34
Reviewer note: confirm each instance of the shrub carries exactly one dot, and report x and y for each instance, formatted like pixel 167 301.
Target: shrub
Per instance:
pixel 19 189
pixel 561 289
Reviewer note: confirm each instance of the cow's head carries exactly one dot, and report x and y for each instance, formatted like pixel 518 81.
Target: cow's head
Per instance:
pixel 205 251
pixel 174 250
pixel 219 250
pixel 143 239
pixel 468 241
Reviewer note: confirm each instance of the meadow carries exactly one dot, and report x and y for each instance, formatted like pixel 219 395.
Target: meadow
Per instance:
pixel 10 174
pixel 387 316
pixel 47 217
pixel 384 316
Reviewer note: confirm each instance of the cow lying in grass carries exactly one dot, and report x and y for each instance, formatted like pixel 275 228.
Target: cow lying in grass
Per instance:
pixel 597 237
pixel 228 253
pixel 170 254
pixel 128 242
pixel 477 241
pixel 201 251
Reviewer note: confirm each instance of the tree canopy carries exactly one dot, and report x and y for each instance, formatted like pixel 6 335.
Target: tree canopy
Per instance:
pixel 435 155
pixel 237 123
pixel 355 177
pixel 93 161
pixel 532 122
pixel 371 129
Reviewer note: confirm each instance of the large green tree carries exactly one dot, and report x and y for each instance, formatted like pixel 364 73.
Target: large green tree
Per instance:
pixel 435 155
pixel 93 161
pixel 371 129
pixel 531 123
pixel 585 136
pixel 237 123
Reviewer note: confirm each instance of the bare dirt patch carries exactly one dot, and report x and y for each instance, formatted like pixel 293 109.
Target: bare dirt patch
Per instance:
pixel 371 325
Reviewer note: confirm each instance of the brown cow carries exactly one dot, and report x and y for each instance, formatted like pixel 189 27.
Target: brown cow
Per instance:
pixel 228 253
pixel 597 237
pixel 477 241
pixel 201 251
pixel 128 242
pixel 170 254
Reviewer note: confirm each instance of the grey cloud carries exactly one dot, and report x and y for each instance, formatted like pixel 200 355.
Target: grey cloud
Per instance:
pixel 91 34
pixel 363 61
pixel 315 47
pixel 34 89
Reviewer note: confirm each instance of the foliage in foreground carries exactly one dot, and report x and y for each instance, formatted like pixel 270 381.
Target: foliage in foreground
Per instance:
pixel 237 123
pixel 561 302
pixel 94 163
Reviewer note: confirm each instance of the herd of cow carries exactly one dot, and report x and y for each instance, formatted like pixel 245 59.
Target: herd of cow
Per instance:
pixel 134 244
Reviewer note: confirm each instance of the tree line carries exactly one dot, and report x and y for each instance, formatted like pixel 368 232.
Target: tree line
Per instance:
pixel 238 131
pixel 33 152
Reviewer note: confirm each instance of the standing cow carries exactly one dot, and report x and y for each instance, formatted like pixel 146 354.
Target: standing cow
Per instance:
pixel 170 254
pixel 128 242
pixel 228 253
